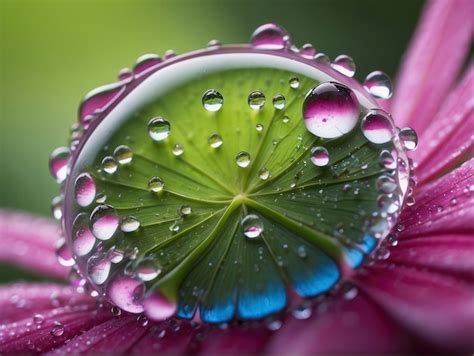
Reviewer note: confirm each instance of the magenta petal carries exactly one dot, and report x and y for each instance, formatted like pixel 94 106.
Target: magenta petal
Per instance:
pixel 444 206
pixel 436 307
pixel 451 254
pixel 450 134
pixel 432 62
pixel 343 326
pixel 29 242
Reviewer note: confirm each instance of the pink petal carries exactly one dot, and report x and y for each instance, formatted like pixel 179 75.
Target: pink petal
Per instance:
pixel 431 305
pixel 29 242
pixel 341 326
pixel 444 206
pixel 450 135
pixel 452 254
pixel 432 62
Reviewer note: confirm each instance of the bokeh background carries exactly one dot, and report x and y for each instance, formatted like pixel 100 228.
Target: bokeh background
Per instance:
pixel 54 51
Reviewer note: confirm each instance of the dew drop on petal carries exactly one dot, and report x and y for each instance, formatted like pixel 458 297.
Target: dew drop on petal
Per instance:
pixel 330 110
pixel 38 319
pixel 98 268
pixel 212 100
pixel 264 174
pixel 156 184
pixel 125 74
pixel 215 140
pixel 109 165
pixel 322 58
pixel 126 293
pixel 145 62
pixel 294 82
pixel 82 238
pixel 158 308
pixel 146 269
pixel 382 253
pixel 57 329
pixel 104 222
pixel 63 254
pixel 270 36
pixel 377 127
pixel 344 65
pixel 84 189
pixel 123 154
pixel 409 138
pixel 256 100
pixel 379 85
pixel 129 224
pixel 279 102
pixel 307 51
pixel 159 129
pixel 252 226
pixel 58 163
pixel 386 160
pixel 243 159
pixel 319 156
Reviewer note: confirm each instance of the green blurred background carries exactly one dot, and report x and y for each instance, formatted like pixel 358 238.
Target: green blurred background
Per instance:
pixel 54 51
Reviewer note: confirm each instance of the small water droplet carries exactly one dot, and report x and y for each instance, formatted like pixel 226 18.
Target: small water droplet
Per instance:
pixel 84 189
pixel 322 58
pixel 123 154
pixel 156 184
pixel 386 184
pixel 400 227
pixel 63 254
pixel 350 292
pixel 410 201
pixel 212 100
pixel 377 127
pixel 82 238
pixel 307 51
pixel 104 222
pixel 279 102
pixel 125 74
pixel 57 329
pixel 100 198
pixel 185 210
pixel 215 140
pixel 285 119
pixel 409 138
pixel 145 62
pixel 243 159
pixel 294 82
pixel 344 65
pixel 302 251
pixel 273 324
pixel 57 207
pixel 109 165
pixel 319 156
pixel 302 312
pixel 259 127
pixel 270 36
pixel 264 173
pixel 392 240
pixel 330 110
pixel 116 311
pixel 38 319
pixel 98 268
pixel 169 53
pixel 252 226
pixel 256 100
pixel 178 150
pixel 146 269
pixel 159 129
pixel 129 224
pixel 379 85
pixel 382 253
pixel 213 44
pixel 58 163
pixel 386 160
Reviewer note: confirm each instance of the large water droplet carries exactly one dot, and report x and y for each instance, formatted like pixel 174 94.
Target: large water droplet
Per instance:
pixel 243 159
pixel 270 36
pixel 84 189
pixel 156 184
pixel 104 222
pixel 159 308
pixel 386 160
pixel 57 329
pixel 58 163
pixel 279 102
pixel 409 138
pixel 319 156
pixel 377 127
pixel 129 224
pixel 256 100
pixel 109 165
pixel 215 140
pixel 123 154
pixel 379 85
pixel 252 226
pixel 145 62
pixel 82 238
pixel 344 65
pixel 98 268
pixel 212 100
pixel 146 269
pixel 330 110
pixel 159 128
pixel 126 293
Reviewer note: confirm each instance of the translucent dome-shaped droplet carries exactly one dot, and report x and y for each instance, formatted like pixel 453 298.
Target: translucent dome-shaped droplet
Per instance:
pixel 215 140
pixel 259 127
pixel 243 159
pixel 84 189
pixel 57 207
pixel 57 329
pixel 212 100
pixel 386 160
pixel 379 85
pixel 252 226
pixel 213 44
pixel 344 65
pixel 330 110
pixel 58 163
pixel 125 74
pixel 377 127
pixel 270 36
pixel 63 254
pixel 104 221
pixel 98 268
pixel 82 238
pixel 307 51
pixel 145 62
pixel 322 58
pixel 109 165
pixel 185 210
pixel 279 102
pixel 256 100
pixel 146 269
pixel 319 156
pixel 158 308
pixel 264 174
pixel 409 138
pixel 178 150
pixel 156 184
pixel 129 224
pixel 123 154
pixel 294 82
pixel 159 129
pixel 126 293
pixel 386 184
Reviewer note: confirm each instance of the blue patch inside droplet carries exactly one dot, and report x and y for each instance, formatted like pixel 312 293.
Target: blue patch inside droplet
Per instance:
pixel 186 311
pixel 219 313
pixel 256 305
pixel 355 256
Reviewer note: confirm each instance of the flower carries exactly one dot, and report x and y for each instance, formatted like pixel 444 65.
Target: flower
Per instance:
pixel 419 299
